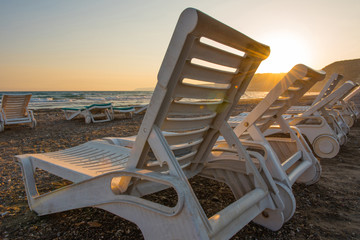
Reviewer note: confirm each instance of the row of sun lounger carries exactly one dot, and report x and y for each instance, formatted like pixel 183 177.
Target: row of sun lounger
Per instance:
pixel 14 110
pixel 188 133
pixel 97 112
pixel 325 123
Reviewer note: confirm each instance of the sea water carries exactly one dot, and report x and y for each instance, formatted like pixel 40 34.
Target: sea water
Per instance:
pixel 58 99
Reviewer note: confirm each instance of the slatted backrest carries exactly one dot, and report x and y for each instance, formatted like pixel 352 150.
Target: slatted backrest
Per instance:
pixel 353 93
pixel 14 105
pixel 331 99
pixel 284 95
pixel 199 82
pixel 329 87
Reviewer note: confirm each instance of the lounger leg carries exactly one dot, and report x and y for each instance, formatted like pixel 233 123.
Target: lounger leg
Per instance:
pixel 273 219
pixel 2 121
pixel 29 180
pixel 155 221
pixel 88 117
pixel 311 175
pixel 326 146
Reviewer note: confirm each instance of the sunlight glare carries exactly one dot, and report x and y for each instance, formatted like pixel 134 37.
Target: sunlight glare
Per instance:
pixel 287 50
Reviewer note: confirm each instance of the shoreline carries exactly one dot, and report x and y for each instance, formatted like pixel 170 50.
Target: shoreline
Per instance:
pixel 326 210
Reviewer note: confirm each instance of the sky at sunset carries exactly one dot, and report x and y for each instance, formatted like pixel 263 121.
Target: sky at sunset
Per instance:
pixel 119 45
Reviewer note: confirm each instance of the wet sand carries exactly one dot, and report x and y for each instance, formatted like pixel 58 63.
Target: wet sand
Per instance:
pixel 328 209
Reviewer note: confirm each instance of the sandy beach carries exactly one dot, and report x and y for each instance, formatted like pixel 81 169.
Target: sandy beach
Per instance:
pixel 328 209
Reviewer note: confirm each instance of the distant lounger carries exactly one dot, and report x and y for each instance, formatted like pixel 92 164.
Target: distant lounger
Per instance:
pixel 14 110
pixel 327 89
pixel 289 158
pixel 325 132
pixel 92 113
pixel 127 111
pixel 347 107
pixel 141 108
pixel 324 129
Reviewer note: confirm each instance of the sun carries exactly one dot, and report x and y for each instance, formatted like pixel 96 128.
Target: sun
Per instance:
pixel 287 50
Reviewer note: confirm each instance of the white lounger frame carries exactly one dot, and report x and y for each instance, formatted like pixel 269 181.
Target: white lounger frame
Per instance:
pixel 288 159
pixel 114 178
pixel 127 111
pixel 94 113
pixel 327 89
pixel 352 100
pixel 14 110
pixel 325 132
pixel 347 108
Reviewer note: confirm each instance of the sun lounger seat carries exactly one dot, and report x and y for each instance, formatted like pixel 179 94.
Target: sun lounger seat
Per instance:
pixel 14 110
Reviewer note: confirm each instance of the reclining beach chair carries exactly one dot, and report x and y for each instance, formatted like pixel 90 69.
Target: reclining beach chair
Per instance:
pixel 324 128
pixel 127 111
pixel 288 157
pixel 327 89
pixel 92 113
pixel 14 110
pixel 188 110
pixel 141 108
pixel 338 109
pixel 353 101
pixel 347 107
pixel 321 129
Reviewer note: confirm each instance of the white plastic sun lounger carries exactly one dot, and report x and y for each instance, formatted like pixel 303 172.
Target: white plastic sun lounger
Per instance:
pixel 288 158
pixel 327 89
pixel 347 108
pixel 14 110
pixel 326 132
pixel 353 100
pixel 321 129
pixel 127 111
pixel 141 108
pixel 114 178
pixel 93 113
pixel 338 109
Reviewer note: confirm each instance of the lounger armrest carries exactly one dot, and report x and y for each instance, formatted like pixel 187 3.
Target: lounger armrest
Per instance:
pixel 2 114
pixel 123 141
pixel 295 120
pixel 31 113
pixel 79 193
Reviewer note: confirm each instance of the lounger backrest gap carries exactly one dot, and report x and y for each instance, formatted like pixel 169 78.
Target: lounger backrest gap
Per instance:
pixel 285 94
pixel 15 105
pixel 192 98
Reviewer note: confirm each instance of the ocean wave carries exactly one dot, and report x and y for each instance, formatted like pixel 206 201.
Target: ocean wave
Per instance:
pixel 48 99
pixel 61 99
